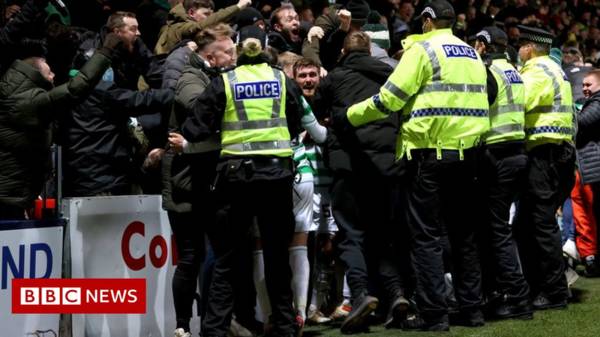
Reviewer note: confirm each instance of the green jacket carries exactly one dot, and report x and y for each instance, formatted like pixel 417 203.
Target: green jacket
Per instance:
pixel 180 27
pixel 176 169
pixel 329 23
pixel 28 106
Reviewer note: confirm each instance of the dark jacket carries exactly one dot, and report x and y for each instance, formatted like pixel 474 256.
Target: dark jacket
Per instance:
pixel 279 42
pixel 155 125
pixel 17 29
pixel 28 105
pixel 98 148
pixel 197 165
pixel 127 66
pixel 370 148
pixel 319 50
pixel 575 75
pixel 588 140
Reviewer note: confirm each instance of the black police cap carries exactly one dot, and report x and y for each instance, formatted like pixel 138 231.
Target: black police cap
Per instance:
pixel 536 35
pixel 493 36
pixel 438 9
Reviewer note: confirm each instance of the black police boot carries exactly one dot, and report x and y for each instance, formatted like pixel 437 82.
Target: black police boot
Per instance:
pixel 468 317
pixel 357 321
pixel 543 302
pixel 397 312
pixel 507 309
pixel 417 322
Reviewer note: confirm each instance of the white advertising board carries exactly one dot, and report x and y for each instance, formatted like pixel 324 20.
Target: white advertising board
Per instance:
pixel 124 237
pixel 28 249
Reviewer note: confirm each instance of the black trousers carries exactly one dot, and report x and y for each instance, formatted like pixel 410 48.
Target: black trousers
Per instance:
pixel 501 170
pixel 189 238
pixel 550 178
pixel 271 202
pixel 440 194
pixel 363 209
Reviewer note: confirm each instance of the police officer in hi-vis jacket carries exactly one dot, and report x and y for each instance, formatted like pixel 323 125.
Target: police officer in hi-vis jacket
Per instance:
pixel 439 87
pixel 257 112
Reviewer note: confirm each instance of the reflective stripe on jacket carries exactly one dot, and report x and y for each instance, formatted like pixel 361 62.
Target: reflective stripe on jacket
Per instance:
pixel 548 103
pixel 507 118
pixel 254 122
pixel 440 86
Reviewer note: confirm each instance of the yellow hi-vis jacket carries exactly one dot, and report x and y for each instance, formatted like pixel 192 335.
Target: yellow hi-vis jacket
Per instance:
pixel 440 86
pixel 507 118
pixel 254 122
pixel 548 103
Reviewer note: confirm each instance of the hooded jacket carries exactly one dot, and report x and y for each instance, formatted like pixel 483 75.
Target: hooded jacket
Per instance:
pixel 370 148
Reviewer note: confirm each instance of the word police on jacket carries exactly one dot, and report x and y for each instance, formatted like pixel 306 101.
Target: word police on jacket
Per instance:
pixel 254 90
pixel 454 50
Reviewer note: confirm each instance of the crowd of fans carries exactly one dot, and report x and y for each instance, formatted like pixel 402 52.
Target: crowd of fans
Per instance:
pixel 119 86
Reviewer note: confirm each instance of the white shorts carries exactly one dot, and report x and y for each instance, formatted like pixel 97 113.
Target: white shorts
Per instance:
pixel 303 202
pixel 323 221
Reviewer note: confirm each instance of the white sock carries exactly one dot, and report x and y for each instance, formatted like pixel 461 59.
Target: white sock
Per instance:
pixel 346 291
pixel 261 286
pixel 300 275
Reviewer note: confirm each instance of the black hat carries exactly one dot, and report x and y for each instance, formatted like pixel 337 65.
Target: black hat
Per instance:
pixel 493 35
pixel 360 11
pixel 535 35
pixel 31 48
pixel 438 9
pixel 248 16
pixel 252 31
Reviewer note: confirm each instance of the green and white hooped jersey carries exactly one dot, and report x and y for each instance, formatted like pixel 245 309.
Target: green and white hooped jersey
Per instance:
pixel 304 170
pixel 322 174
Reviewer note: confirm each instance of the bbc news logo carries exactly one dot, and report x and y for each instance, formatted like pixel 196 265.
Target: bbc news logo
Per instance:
pixel 79 296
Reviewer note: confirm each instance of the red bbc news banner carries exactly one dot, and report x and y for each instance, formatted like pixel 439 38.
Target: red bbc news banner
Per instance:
pixel 78 296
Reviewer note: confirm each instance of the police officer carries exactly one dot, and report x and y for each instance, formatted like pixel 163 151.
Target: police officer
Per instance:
pixel 550 171
pixel 257 112
pixel 501 167
pixel 440 86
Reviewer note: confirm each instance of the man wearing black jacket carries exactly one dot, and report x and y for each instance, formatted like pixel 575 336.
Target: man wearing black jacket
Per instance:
pixel 588 155
pixel 98 144
pixel 365 181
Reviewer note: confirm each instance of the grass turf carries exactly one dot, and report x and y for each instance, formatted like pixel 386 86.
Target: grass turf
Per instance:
pixel 580 319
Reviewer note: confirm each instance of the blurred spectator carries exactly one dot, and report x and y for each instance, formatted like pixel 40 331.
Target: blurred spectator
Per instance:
pixel 334 26
pixel 250 16
pixel 188 18
pixel 15 30
pixel 588 157
pixel 99 150
pixel 285 30
pixel 576 70
pixel 30 103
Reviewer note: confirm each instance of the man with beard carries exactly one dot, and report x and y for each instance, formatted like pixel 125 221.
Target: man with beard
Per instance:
pixel 365 182
pixel 285 30
pixel 307 77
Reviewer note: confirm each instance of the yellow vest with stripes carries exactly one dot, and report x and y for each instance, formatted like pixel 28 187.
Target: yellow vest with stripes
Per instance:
pixel 440 87
pixel 254 122
pixel 507 118
pixel 548 103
